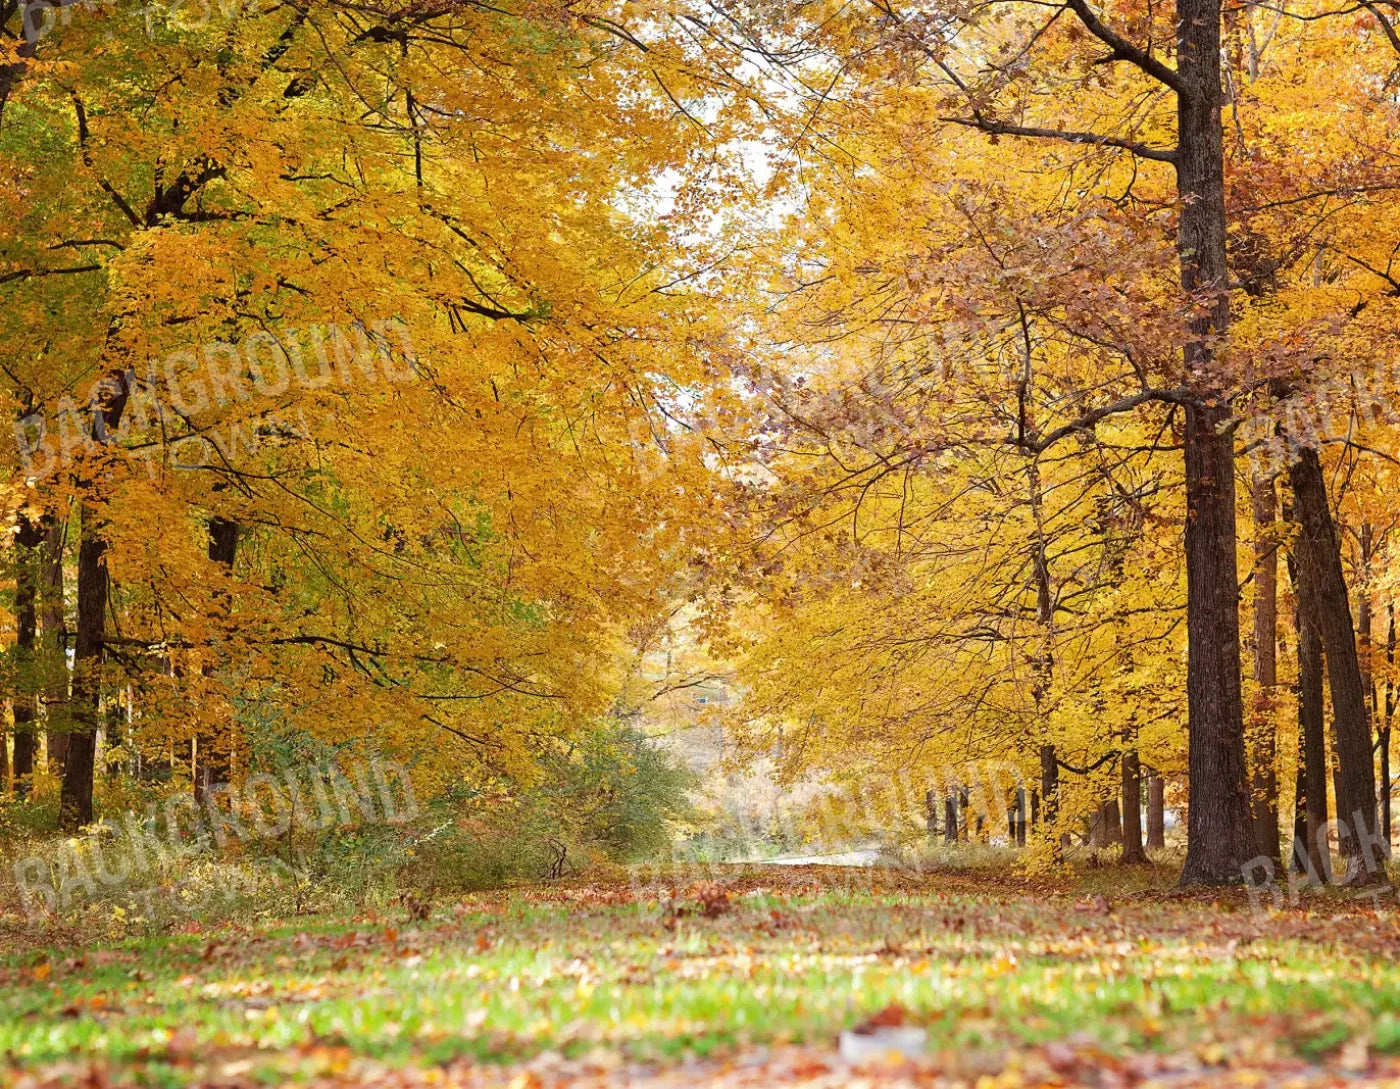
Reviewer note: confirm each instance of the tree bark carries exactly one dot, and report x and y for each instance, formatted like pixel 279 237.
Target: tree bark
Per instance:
pixel 75 804
pixel 213 761
pixel 27 544
pixel 1133 853
pixel 1156 811
pixel 1320 568
pixel 1049 783
pixel 54 641
pixel 1112 822
pixel 1220 834
pixel 950 818
pixel 1300 860
pixel 1050 798
pixel 1389 718
pixel 1363 623
pixel 1263 727
pixel 1312 853
pixel 1105 826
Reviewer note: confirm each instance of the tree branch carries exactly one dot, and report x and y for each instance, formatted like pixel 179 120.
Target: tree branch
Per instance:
pixel 1386 24
pixel 1126 50
pixel 1001 128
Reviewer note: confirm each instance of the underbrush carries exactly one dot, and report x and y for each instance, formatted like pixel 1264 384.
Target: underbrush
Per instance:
pixel 155 862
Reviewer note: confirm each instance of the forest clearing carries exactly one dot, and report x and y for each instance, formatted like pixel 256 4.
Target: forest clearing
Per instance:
pixel 744 983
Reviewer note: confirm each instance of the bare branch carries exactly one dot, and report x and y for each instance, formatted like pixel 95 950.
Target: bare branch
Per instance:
pixel 1094 139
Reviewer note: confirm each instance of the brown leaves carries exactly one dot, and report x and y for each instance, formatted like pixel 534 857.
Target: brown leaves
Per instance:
pixel 892 1016
pixel 711 900
pixel 419 908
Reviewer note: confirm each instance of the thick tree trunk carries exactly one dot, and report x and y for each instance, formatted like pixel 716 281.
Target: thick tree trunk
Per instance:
pixel 1133 853
pixel 1156 812
pixel 1263 727
pixel 54 641
pixel 950 818
pixel 1320 568
pixel 1312 853
pixel 27 544
pixel 75 805
pixel 1220 834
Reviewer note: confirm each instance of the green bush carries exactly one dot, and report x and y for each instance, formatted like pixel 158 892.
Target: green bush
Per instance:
pixel 612 797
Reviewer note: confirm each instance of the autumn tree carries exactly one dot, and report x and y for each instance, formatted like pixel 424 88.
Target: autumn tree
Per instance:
pixel 365 364
pixel 1117 117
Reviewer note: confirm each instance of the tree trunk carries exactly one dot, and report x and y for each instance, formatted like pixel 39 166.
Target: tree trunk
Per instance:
pixel 1105 826
pixel 1112 822
pixel 1388 719
pixel 950 818
pixel 1049 782
pixel 114 735
pixel 1300 859
pixel 1133 853
pixel 1050 798
pixel 1220 834
pixel 27 543
pixel 1263 727
pixel 54 640
pixel 1156 811
pixel 213 763
pixel 1363 623
pixel 931 813
pixel 1312 744
pixel 75 805
pixel 1320 567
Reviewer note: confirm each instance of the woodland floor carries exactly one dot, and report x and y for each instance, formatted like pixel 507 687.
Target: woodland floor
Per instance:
pixel 744 984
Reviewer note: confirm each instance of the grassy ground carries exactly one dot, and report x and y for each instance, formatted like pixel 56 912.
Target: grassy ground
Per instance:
pixel 1028 983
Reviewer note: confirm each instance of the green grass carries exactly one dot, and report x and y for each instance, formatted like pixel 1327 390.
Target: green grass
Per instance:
pixel 986 965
